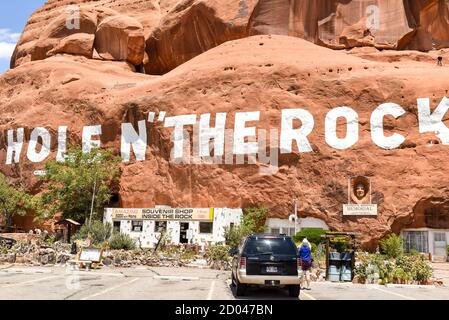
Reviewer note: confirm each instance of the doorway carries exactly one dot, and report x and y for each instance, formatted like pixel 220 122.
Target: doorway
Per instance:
pixel 183 232
pixel 440 245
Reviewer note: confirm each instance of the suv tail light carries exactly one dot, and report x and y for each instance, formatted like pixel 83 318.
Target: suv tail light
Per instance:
pixel 242 263
pixel 299 263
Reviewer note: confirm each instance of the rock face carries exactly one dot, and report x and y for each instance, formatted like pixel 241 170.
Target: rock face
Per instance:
pixel 81 44
pixel 120 38
pixel 282 72
pixel 164 34
pixel 57 85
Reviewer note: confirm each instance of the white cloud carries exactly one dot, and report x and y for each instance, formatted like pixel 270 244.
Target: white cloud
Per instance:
pixel 8 42
pixel 6 50
pixel 7 36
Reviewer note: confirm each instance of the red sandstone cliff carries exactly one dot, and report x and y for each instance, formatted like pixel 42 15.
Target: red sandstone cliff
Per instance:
pixel 63 77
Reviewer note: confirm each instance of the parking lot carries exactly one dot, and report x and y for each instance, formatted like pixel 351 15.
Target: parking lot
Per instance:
pixel 151 283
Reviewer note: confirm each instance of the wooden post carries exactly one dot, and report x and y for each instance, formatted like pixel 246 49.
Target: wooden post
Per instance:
pixel 327 257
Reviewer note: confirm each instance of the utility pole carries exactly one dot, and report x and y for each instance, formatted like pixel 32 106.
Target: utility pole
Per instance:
pixel 296 216
pixel 93 200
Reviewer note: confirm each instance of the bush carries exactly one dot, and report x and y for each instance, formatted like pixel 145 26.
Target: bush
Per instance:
pixel 254 219
pixel 99 232
pixel 217 253
pixel 402 270
pixel 234 235
pixel 312 234
pixel 120 241
pixel 392 246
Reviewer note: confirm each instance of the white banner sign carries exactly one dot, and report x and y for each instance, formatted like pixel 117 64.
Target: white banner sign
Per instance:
pixel 360 209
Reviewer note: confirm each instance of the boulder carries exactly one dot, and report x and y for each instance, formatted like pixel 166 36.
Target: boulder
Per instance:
pixel 80 44
pixel 120 38
pixel 36 44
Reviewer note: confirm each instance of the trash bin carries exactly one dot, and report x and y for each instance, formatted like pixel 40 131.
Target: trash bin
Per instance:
pixel 334 267
pixel 346 266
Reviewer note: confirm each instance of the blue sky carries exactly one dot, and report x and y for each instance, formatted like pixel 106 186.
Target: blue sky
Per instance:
pixel 13 17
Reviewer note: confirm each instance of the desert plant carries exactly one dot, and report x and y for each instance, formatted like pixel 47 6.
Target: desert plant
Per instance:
pixel 399 275
pixel 99 232
pixel 233 236
pixel 218 255
pixel 392 246
pixel 121 241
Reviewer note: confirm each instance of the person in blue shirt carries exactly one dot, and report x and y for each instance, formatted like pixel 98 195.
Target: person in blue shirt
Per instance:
pixel 305 254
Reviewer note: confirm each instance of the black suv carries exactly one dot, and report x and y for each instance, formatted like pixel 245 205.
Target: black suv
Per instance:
pixel 266 260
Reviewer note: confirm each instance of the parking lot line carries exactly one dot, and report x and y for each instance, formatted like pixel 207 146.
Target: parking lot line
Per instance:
pixel 174 278
pixel 29 281
pixel 211 290
pixel 394 293
pixel 308 296
pixel 109 289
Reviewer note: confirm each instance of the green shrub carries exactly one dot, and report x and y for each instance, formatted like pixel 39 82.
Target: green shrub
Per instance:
pixel 217 253
pixel 392 246
pixel 399 275
pixel 234 235
pixel 48 238
pixel 99 232
pixel 312 234
pixel 3 248
pixel 404 269
pixel 253 221
pixel 120 241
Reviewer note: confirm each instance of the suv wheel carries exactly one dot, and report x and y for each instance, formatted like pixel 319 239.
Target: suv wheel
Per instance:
pixel 293 291
pixel 240 288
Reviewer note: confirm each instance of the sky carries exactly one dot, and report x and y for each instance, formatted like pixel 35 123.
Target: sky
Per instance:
pixel 13 17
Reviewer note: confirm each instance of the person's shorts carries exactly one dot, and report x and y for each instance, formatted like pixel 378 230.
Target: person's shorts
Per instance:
pixel 306 265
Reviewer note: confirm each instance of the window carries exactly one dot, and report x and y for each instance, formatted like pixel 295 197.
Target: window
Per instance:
pixel 160 226
pixel 206 227
pixel 137 226
pixel 117 225
pixel 416 240
pixel 261 246
pixel 275 231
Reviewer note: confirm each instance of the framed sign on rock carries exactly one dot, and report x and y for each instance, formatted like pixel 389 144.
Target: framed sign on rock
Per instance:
pixel 359 198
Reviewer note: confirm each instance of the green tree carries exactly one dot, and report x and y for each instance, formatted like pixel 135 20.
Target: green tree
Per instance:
pixel 253 221
pixel 13 201
pixel 312 234
pixel 81 185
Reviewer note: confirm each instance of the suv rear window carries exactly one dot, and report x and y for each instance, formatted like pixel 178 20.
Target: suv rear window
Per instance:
pixel 272 246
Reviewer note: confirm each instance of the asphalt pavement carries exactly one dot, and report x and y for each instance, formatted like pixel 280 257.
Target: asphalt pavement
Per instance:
pixel 162 283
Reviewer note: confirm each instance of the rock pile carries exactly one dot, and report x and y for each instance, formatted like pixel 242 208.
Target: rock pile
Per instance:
pixel 36 254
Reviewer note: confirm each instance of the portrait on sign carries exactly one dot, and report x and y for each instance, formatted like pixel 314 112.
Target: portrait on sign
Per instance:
pixel 359 190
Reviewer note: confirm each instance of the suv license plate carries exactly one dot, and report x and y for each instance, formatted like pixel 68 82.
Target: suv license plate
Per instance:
pixel 272 269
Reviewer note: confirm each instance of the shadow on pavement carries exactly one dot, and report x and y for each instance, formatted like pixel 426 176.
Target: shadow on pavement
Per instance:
pixel 263 293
